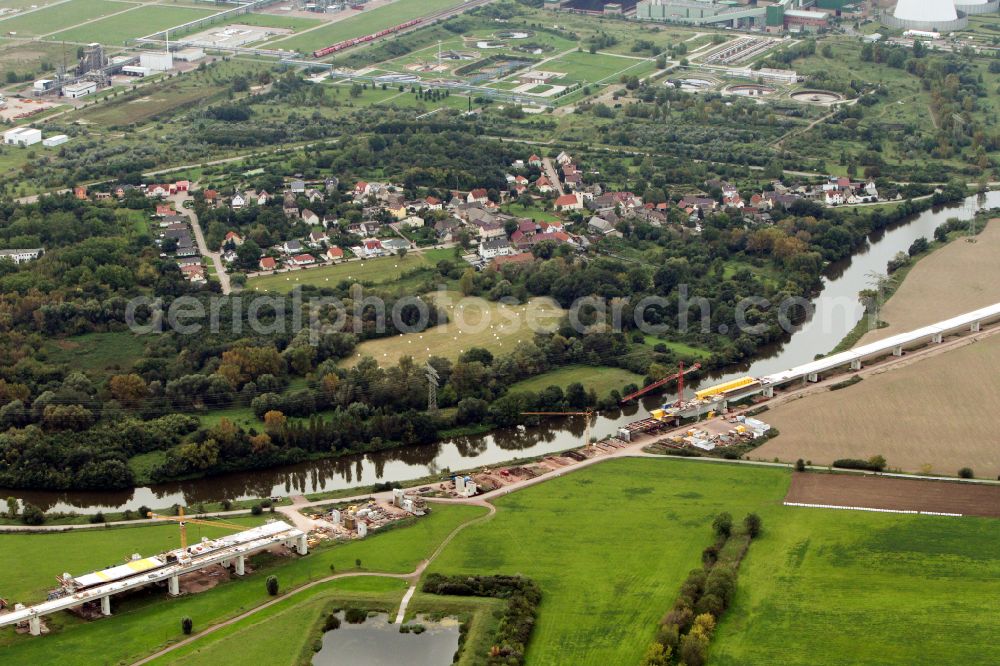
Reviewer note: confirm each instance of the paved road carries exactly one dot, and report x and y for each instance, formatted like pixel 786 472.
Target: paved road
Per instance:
pixel 199 237
pixel 550 171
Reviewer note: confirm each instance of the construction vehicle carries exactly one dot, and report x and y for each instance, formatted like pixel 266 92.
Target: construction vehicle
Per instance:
pixel 183 520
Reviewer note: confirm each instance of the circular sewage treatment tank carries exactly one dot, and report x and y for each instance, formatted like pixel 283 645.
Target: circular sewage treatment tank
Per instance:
pixel 750 90
pixel 817 97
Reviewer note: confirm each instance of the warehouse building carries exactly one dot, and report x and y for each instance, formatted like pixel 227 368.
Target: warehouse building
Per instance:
pixel 56 140
pixel 157 61
pixel 22 136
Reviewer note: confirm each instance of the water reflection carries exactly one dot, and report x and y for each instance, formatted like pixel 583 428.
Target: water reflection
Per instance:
pixel 376 642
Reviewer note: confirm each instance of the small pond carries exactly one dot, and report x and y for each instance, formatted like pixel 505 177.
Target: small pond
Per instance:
pixel 377 642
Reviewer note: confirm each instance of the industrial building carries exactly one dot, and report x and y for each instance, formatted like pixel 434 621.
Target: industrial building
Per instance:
pixel 22 136
pixel 767 75
pixel 56 140
pixel 194 54
pixel 157 61
pixel 135 70
pixel 21 256
pixel 74 90
pixel 930 15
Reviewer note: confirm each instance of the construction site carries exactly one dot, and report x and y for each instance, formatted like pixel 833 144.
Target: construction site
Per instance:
pixel 190 569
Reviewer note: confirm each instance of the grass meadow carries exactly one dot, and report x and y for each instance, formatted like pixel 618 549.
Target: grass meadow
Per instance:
pixel 602 379
pixel 138 23
pixel 362 23
pixel 61 16
pixel 145 623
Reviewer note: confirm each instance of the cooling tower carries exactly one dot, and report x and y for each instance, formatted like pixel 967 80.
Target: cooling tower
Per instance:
pixel 931 15
pixel 977 6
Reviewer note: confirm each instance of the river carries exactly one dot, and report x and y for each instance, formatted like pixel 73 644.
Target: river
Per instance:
pixel 836 311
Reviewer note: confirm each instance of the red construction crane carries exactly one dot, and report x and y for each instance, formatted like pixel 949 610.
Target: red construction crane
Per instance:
pixel 587 414
pixel 679 376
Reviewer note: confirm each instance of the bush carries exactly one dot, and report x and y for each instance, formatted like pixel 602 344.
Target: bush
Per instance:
pixel 855 463
pixel 272 585
pixel 800 465
pixel 332 622
pixel 32 515
pixel 355 615
pixel 966 473
pixel 97 518
pixel 256 509
pixel 187 625
pixel 753 525
pixel 723 524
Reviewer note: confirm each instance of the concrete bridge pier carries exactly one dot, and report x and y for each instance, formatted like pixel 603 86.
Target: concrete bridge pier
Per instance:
pixel 976 326
pixel 897 350
pixel 240 565
pixel 106 605
pixel 174 586
pixel 302 546
pixel 938 338
pixel 35 626
pixel 856 364
pixel 768 391
pixel 812 377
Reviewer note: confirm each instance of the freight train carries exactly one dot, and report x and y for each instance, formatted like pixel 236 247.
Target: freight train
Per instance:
pixel 347 43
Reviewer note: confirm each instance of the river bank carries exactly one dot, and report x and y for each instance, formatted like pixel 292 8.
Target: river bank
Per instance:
pixel 836 311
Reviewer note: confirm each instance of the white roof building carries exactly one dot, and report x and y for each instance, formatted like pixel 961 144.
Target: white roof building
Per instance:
pixel 55 140
pixel 22 136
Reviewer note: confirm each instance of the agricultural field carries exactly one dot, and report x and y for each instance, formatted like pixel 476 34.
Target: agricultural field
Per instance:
pixel 602 379
pixel 138 23
pixel 61 16
pixel 142 625
pixel 917 416
pixel 472 322
pixel 364 23
pixel 606 583
pixel 954 279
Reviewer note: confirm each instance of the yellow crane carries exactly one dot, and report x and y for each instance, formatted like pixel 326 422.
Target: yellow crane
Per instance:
pixel 183 520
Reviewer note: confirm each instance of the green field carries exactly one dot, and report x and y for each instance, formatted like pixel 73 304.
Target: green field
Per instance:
pixel 364 23
pixel 611 544
pixel 139 23
pixel 597 67
pixel 376 271
pixel 60 16
pixel 600 378
pixel 96 353
pixel 143 624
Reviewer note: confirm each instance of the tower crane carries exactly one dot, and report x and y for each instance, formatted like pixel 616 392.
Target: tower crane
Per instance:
pixel 183 520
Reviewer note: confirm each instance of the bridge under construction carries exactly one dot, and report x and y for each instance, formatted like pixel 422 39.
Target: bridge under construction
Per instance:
pixel 99 586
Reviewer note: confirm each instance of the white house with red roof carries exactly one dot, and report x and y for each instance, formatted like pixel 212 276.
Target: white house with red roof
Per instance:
pixel 268 264
pixel 535 161
pixel 543 185
pixel 301 260
pixel 333 254
pixel 478 195
pixel 568 202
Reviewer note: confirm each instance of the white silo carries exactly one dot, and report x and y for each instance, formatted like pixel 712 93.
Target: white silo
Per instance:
pixel 929 15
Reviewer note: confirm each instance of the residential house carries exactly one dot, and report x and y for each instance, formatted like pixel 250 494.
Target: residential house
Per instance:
pixel 317 238
pixel 433 203
pixel 157 192
pixel 80 192
pixel 394 245
pixel 237 202
pixel 334 254
pixel 164 209
pixel 194 272
pixel 301 260
pixel 598 225
pixel 371 247
pixel 291 247
pixel 490 230
pixel 297 186
pixel 362 229
pixel 313 195
pixel 563 158
pixel 291 211
pixel 263 197
pixel 309 217
pixel 331 184
pixel 447 229
pixel 268 264
pixel 234 238
pixel 495 247
pixel 535 161
pixel 211 197
pixel 543 185
pixel 182 186
pixel 478 195
pixel 573 181
pixel 21 256
pixel 568 202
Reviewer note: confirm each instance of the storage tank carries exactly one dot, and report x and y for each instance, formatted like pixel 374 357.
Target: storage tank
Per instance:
pixel 931 15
